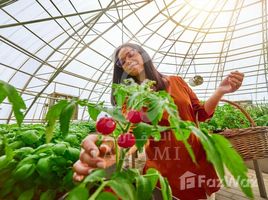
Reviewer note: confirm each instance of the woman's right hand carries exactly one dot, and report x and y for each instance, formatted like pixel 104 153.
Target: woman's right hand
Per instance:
pixel 92 156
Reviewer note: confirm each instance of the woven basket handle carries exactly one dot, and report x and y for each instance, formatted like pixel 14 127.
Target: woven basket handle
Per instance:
pixel 251 121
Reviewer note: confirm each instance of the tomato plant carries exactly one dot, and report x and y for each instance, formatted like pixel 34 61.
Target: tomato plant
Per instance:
pixel 51 155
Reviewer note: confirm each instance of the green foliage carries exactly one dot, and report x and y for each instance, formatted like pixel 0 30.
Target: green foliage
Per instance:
pixel 233 162
pixel 44 167
pixel 27 195
pixel 65 116
pixel 259 114
pixel 7 90
pixel 220 152
pixel 228 117
pixel 128 184
pixel 53 114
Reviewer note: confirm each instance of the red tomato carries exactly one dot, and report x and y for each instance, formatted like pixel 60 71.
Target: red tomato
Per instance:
pixel 126 140
pixel 134 116
pixel 105 125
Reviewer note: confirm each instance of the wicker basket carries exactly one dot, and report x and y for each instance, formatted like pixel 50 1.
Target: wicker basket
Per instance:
pixel 251 143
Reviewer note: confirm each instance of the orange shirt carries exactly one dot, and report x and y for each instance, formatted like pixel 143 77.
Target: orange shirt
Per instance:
pixel 188 181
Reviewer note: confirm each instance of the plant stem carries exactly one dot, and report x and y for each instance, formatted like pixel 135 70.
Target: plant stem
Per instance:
pixel 116 152
pixel 120 125
pixel 119 165
pixel 100 188
pixel 128 125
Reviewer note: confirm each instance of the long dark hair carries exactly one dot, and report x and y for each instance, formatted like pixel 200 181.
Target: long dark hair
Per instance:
pixel 119 75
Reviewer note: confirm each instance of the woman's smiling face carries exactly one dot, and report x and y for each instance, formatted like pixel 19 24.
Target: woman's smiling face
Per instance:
pixel 131 61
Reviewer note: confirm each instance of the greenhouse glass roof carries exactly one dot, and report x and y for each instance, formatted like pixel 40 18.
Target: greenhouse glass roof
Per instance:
pixel 66 47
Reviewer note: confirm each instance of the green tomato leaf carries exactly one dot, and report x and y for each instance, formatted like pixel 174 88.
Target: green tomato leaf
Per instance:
pixel 123 189
pixel 78 193
pixel 156 135
pixel 93 111
pixel 142 132
pixel 143 188
pixel 233 162
pixel 94 176
pixel 165 188
pixel 213 155
pixel 15 100
pixel 116 113
pixel 66 116
pixel 120 94
pixel 152 175
pixel 27 195
pixel 155 110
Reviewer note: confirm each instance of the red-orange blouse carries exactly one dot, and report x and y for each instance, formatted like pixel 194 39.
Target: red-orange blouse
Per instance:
pixel 188 181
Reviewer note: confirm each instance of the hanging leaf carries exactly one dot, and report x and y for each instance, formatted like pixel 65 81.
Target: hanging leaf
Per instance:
pixel 123 189
pixel 66 116
pixel 143 188
pixel 213 155
pixel 52 116
pixel 141 132
pixel 152 175
pixel 233 162
pixel 119 94
pixel 7 90
pixel 155 110
pixel 93 111
pixel 78 193
pixel 165 188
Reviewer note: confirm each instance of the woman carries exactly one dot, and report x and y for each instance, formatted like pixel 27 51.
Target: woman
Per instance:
pixel 187 179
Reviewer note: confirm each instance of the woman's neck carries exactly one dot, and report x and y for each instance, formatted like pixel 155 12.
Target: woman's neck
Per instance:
pixel 141 77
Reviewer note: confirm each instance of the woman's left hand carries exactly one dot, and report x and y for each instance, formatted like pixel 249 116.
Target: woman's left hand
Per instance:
pixel 231 83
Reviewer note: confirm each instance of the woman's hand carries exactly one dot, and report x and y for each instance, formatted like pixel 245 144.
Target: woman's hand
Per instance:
pixel 92 156
pixel 231 83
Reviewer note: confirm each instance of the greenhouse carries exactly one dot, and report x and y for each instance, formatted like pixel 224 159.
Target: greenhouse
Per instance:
pixel 133 99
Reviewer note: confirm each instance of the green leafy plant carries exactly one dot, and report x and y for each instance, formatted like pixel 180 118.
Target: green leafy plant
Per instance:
pixel 127 127
pixel 28 163
pixel 228 117
pixel 18 105
pixel 148 107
